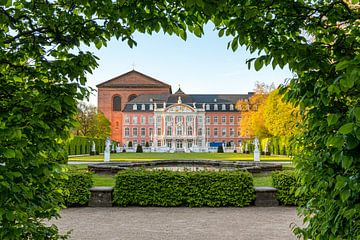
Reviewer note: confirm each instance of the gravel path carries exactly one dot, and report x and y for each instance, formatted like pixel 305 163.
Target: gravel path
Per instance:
pixel 135 223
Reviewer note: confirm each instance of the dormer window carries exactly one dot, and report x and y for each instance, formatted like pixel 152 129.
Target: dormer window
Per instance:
pixel 207 106
pixel 231 107
pixel 143 107
pixel 223 107
pixel 151 107
pixel 215 107
pixel 134 107
pixel 215 100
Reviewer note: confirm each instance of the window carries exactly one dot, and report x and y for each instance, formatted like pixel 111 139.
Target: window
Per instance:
pixel 158 131
pixel 117 103
pixel 231 107
pixel 158 120
pixel 189 131
pixel 134 119
pixel 143 132
pixel 169 131
pixel 239 120
pixel 223 132
pixel 178 119
pixel 215 132
pixel 200 119
pixel 199 131
pixel 151 132
pixel 151 120
pixel 232 120
pixel 134 107
pixel 127 132
pixel 215 107
pixel 127 119
pixel 189 118
pixel 208 120
pixel 143 107
pixel 143 143
pixel 223 119
pixel 159 143
pixel 178 130
pixel 208 132
pixel 207 106
pixel 151 107
pixel 143 120
pixel 135 132
pixel 135 143
pixel 215 120
pixel 223 107
pixel 232 132
pixel 239 132
pixel 168 119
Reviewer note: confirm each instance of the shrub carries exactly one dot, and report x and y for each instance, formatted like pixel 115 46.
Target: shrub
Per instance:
pixel 220 149
pixel 147 144
pixel 130 144
pixel 194 189
pixel 287 183
pixel 139 149
pixel 76 188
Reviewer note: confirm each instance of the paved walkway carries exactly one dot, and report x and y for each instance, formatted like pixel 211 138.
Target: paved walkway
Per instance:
pixel 135 223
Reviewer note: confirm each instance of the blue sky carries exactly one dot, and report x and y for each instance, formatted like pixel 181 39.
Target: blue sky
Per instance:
pixel 200 65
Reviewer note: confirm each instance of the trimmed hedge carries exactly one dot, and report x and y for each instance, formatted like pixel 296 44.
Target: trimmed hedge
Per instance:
pixel 287 183
pixel 82 145
pixel 76 188
pixel 193 189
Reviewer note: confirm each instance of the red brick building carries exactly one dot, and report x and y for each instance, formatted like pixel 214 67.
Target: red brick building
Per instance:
pixel 142 109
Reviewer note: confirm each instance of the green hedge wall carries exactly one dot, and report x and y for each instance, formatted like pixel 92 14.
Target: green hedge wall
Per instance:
pixel 287 183
pixel 193 189
pixel 76 188
pixel 82 145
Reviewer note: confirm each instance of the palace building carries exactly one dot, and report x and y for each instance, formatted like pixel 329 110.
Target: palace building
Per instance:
pixel 144 110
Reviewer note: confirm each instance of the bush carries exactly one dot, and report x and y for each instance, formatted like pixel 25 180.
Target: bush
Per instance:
pixel 139 149
pixel 220 149
pixel 147 144
pixel 194 189
pixel 82 145
pixel 287 183
pixel 77 188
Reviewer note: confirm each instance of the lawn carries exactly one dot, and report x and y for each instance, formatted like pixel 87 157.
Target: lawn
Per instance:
pixel 118 157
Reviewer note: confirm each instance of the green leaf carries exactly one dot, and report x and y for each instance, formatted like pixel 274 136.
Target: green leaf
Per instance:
pixel 9 153
pixel 234 44
pixel 342 65
pixel 333 119
pixel 347 128
pixel 357 113
pixel 344 195
pixel 335 141
pixel 258 64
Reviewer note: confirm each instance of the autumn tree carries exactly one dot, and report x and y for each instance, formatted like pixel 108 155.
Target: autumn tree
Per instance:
pixel 91 122
pixel 281 118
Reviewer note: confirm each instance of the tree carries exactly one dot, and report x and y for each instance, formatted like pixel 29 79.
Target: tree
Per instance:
pixel 281 118
pixel 91 122
pixel 252 122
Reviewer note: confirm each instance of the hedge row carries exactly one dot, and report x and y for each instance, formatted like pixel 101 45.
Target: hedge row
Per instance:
pixel 276 146
pixel 82 145
pixel 193 189
pixel 76 188
pixel 287 183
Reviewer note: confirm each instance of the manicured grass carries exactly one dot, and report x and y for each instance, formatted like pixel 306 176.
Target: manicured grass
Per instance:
pixel 262 179
pixel 118 157
pixel 103 180
pixel 109 180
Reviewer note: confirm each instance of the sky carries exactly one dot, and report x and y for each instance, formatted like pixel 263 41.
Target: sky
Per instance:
pixel 199 65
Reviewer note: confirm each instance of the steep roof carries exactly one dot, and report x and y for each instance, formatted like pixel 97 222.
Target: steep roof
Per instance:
pixel 133 79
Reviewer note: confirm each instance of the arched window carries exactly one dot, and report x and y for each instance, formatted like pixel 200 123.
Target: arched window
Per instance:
pixel 117 103
pixel 131 97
